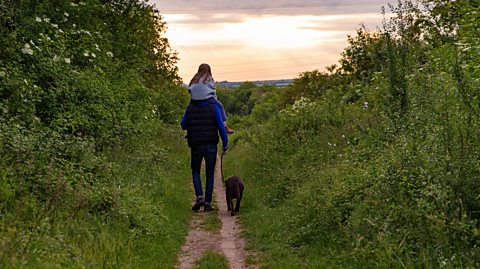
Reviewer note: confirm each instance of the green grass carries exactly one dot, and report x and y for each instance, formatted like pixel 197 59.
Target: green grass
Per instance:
pixel 350 211
pixel 141 217
pixel 212 222
pixel 156 199
pixel 278 230
pixel 265 222
pixel 212 260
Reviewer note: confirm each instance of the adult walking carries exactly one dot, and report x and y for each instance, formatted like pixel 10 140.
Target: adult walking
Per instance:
pixel 204 121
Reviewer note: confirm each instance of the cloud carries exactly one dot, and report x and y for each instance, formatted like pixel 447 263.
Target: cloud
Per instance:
pixel 239 63
pixel 346 23
pixel 278 7
pixel 251 39
pixel 218 47
pixel 214 14
pixel 201 21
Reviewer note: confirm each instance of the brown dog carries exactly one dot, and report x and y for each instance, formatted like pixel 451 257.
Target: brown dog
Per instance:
pixel 233 190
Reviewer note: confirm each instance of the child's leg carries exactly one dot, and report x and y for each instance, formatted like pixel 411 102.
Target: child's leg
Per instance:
pixel 215 101
pixel 224 115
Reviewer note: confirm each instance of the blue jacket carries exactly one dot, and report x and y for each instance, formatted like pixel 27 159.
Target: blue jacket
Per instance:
pixel 218 118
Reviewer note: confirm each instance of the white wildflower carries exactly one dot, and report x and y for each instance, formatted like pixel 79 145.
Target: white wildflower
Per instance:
pixel 38 19
pixel 73 4
pixel 97 48
pixel 60 31
pixel 2 74
pixel 109 53
pixel 25 80
pixel 85 54
pixel 74 25
pixel 55 25
pixel 67 60
pixel 82 3
pixel 46 19
pixel 56 58
pixel 27 50
pixel 66 14
pixel 365 105
pixel 93 55
pixel 31 42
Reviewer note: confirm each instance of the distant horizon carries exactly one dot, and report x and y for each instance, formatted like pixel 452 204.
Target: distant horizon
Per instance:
pixel 256 80
pixel 265 40
pixel 246 81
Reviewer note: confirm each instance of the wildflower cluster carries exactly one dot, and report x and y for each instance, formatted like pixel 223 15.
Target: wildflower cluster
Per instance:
pixel 70 87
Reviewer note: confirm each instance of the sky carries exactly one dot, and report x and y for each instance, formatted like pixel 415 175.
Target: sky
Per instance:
pixel 247 40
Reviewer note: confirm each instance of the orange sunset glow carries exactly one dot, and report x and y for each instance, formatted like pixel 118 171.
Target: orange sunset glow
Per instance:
pixel 263 41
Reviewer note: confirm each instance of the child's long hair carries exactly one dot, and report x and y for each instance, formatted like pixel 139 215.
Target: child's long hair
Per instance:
pixel 203 74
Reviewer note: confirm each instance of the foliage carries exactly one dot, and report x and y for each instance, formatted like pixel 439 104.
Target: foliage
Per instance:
pixel 363 56
pixel 374 164
pixel 241 101
pixel 212 260
pixel 77 80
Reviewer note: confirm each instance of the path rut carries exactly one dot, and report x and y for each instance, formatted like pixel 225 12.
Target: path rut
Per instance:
pixel 228 241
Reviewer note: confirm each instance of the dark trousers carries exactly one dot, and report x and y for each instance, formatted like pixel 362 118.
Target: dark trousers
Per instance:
pixel 209 153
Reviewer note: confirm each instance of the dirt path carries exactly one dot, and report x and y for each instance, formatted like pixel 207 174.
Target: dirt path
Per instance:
pixel 228 241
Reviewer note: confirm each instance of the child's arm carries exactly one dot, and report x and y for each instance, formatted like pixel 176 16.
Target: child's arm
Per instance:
pixel 211 85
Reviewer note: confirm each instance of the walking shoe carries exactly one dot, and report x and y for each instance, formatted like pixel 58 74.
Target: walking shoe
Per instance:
pixel 208 207
pixel 198 203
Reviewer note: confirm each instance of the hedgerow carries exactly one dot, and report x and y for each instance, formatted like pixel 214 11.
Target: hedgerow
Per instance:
pixel 77 80
pixel 375 164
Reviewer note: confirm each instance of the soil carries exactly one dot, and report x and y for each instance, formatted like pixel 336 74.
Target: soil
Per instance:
pixel 228 241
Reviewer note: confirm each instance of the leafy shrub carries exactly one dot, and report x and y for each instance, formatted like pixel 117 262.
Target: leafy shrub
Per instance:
pixel 375 165
pixel 77 80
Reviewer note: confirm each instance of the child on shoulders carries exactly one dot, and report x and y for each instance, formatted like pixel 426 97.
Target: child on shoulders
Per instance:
pixel 202 87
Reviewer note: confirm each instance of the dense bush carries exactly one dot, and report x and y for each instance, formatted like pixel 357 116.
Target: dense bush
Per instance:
pixel 78 78
pixel 376 162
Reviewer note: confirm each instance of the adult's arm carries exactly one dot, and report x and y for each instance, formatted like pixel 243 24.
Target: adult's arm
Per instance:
pixel 183 123
pixel 221 126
